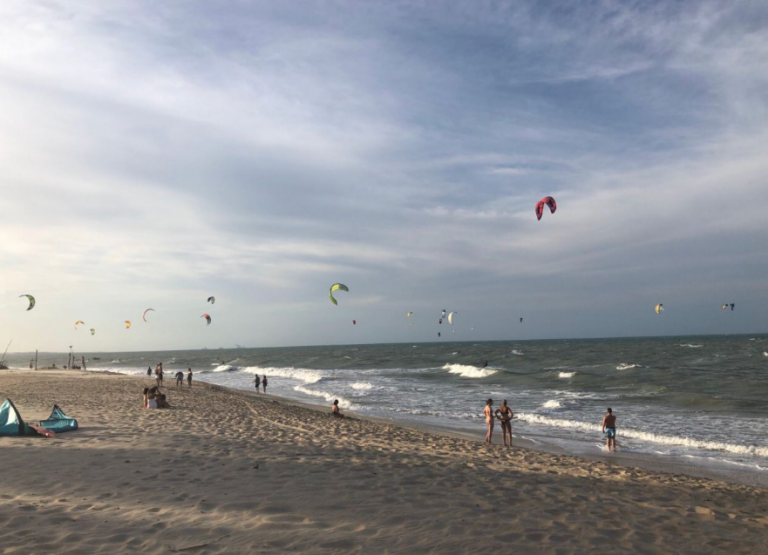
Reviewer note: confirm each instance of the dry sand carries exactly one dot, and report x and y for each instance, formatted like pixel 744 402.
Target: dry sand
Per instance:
pixel 230 472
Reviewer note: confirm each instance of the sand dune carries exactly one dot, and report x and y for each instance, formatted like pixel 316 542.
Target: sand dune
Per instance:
pixel 229 472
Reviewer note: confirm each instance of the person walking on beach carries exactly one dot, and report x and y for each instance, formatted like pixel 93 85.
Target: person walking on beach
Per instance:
pixel 189 377
pixel 149 371
pixel 488 412
pixel 609 430
pixel 179 379
pixel 506 422
pixel 264 383
pixel 257 382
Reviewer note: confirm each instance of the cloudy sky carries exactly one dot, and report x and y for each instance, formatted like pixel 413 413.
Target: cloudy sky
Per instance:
pixel 153 154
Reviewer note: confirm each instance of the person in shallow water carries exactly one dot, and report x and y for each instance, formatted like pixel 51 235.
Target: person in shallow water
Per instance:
pixel 257 382
pixel 264 383
pixel 609 430
pixel 505 415
pixel 189 377
pixel 488 412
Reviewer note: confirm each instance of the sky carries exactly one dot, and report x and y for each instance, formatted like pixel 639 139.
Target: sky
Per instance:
pixel 154 154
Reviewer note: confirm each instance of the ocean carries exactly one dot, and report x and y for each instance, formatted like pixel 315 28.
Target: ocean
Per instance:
pixel 703 400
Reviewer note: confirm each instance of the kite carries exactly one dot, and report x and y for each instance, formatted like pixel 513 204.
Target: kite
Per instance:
pixel 409 315
pixel 207 318
pixel 78 322
pixel 440 321
pixel 659 308
pixel 411 324
pixel 438 334
pixel 443 314
pixel 212 300
pixel 337 287
pixel 31 301
pixel 93 331
pixel 549 201
pixel 144 316
pixel 354 322
pixel 450 317
pixel 127 324
pixel 725 306
pixel 733 305
pixel 521 320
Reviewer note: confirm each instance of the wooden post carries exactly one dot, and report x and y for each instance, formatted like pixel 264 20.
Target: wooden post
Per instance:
pixel 35 359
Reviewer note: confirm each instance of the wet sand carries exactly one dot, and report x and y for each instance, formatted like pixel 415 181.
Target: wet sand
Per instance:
pixel 225 471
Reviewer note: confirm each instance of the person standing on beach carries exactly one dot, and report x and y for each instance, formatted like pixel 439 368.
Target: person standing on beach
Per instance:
pixel 160 375
pixel 264 383
pixel 149 371
pixel 189 377
pixel 487 411
pixel 609 430
pixel 257 382
pixel 179 379
pixel 506 422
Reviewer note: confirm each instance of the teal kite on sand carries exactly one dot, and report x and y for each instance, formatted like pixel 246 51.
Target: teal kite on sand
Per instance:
pixel 59 422
pixel 12 424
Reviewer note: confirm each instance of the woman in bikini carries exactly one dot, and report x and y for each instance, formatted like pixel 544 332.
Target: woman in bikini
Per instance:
pixel 506 415
pixel 488 412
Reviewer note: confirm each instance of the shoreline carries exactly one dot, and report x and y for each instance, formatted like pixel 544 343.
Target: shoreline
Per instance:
pixel 657 463
pixel 228 471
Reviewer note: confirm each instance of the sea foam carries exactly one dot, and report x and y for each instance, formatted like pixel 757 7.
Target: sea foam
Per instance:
pixel 300 374
pixel 566 374
pixel 650 437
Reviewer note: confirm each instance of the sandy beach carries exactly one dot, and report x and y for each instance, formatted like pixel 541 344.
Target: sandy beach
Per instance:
pixel 231 472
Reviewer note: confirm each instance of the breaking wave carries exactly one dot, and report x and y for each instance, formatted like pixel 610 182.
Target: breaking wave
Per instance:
pixel 627 366
pixel 469 371
pixel 566 374
pixel 300 374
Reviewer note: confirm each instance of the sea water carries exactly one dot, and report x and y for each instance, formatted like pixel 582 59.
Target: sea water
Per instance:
pixel 703 399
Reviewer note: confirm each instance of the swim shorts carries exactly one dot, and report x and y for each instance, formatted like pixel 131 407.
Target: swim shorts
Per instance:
pixel 610 433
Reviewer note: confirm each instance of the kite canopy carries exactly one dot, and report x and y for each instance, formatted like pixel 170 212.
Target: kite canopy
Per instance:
pixel 548 201
pixel 354 322
pixel 733 305
pixel 450 317
pixel 127 324
pixel 521 320
pixel 409 314
pixel 93 331
pixel 337 287
pixel 659 308
pixel 212 300
pixel 144 316
pixel 207 319
pixel 31 301
pixel 725 306
pixel 78 322
pixel 442 315
pixel 59 422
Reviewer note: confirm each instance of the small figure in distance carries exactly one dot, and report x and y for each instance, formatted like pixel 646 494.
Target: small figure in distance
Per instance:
pixel 335 409
pixel 609 429
pixel 149 371
pixel 179 379
pixel 264 383
pixel 488 420
pixel 257 382
pixel 189 377
pixel 506 422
